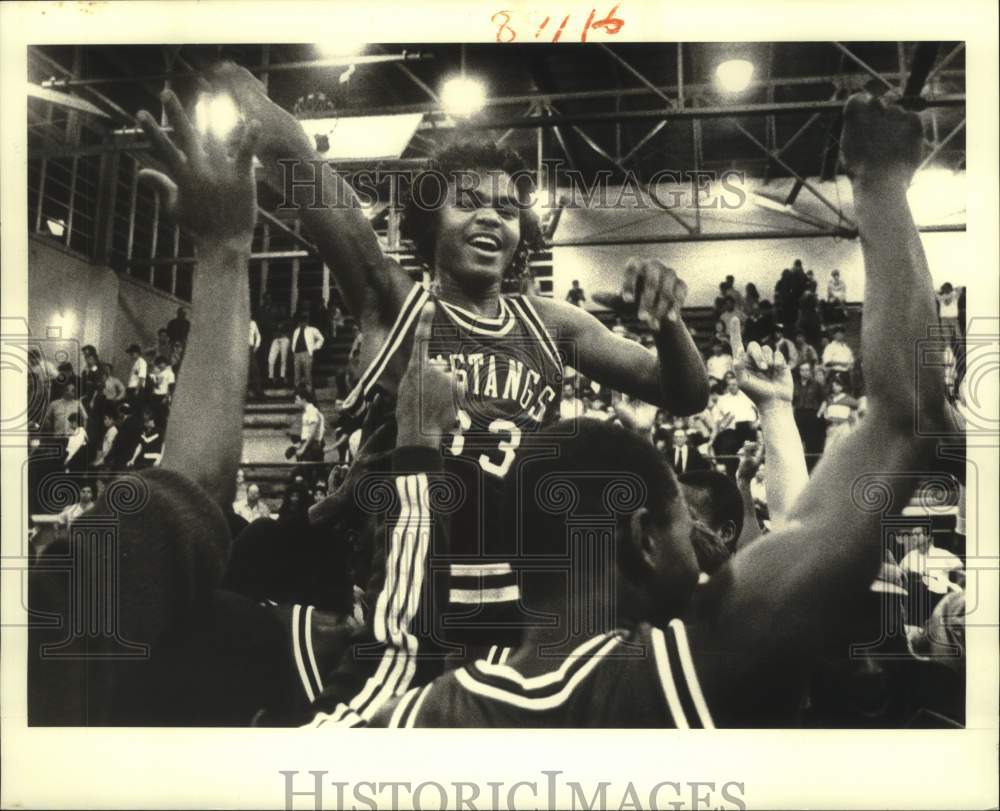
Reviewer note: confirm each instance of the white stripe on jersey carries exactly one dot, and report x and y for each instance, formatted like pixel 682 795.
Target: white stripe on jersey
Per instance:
pixel 546 679
pixel 309 649
pixel 297 653
pixel 536 327
pixel 667 679
pixel 479 325
pixel 690 674
pixel 466 680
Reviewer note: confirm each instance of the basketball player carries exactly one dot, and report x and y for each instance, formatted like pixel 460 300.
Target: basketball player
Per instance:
pixel 753 630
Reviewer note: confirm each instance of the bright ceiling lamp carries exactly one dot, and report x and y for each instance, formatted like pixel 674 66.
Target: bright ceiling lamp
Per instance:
pixel 462 96
pixel 734 75
pixel 344 46
pixel 216 113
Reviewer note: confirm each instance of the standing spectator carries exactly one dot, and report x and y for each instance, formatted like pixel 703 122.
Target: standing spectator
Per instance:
pixel 838 356
pixel 809 321
pixel 337 320
pixel 241 486
pixel 570 408
pixel 729 312
pixel 735 424
pixel 305 341
pixel 90 373
pixel 163 342
pixel 127 439
pixel 253 375
pixel 758 492
pixel 76 444
pixel 806 401
pixel 149 450
pixel 251 508
pixel 163 389
pixel 320 317
pixel 56 420
pixel 176 356
pixel 949 315
pixel 720 300
pixel 103 458
pixel 750 297
pixel 839 412
pixel 179 327
pixel 576 296
pixel 722 336
pixel 310 446
pixel 684 457
pixel 267 322
pixel 137 376
pixel 277 356
pixel 719 364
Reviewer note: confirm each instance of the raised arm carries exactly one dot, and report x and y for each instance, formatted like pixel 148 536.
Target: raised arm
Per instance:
pixel 673 377
pixel 765 378
pixel 786 592
pixel 213 198
pixel 372 284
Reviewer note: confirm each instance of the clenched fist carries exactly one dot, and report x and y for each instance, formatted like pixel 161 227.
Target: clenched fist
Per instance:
pixel 880 139
pixel 655 289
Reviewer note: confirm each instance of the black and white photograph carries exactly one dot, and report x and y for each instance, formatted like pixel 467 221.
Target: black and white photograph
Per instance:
pixel 564 374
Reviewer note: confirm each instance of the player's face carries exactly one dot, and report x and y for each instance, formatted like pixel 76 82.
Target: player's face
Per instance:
pixel 676 566
pixel 478 230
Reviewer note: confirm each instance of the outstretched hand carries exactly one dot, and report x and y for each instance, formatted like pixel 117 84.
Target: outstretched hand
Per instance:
pixel 208 186
pixel 761 373
pixel 429 395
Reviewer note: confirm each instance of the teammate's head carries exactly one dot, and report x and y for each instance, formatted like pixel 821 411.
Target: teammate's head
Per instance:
pixel 714 499
pixel 469 215
pixel 640 521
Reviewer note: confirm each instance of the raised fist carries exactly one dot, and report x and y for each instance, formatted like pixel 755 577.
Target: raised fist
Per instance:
pixel 656 289
pixel 880 138
pixel 761 372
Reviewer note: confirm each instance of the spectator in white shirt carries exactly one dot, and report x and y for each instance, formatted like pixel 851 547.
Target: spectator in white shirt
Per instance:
pixel 836 290
pixel 570 408
pixel 719 363
pixel 76 443
pixel 251 508
pixel 305 341
pixel 163 388
pixel 137 375
pixel 736 423
pixel 838 355
pixel 253 374
pixel 310 447
pixel 74 511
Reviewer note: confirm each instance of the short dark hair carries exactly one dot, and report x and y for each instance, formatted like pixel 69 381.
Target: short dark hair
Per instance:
pixel 598 463
pixel 88 350
pixel 420 224
pixel 303 391
pixel 134 348
pixel 726 503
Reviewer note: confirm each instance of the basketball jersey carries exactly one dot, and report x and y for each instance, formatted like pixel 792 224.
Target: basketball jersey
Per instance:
pixel 513 373
pixel 621 679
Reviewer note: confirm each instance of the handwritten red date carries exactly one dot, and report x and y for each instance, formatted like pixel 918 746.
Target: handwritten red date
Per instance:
pixel 610 24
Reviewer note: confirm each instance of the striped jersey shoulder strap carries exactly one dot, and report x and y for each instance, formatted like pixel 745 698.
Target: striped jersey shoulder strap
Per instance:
pixel 408 312
pixel 678 678
pixel 536 327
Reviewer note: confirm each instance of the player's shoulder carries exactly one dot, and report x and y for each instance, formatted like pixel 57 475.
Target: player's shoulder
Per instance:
pixel 561 315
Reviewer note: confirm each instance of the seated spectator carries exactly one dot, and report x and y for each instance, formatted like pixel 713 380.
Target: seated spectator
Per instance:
pixel 836 289
pixel 83 506
pixel 241 486
pixel 149 449
pixel 786 347
pixel 76 444
pixel 721 335
pixel 838 355
pixel 103 457
pixel 295 505
pixel 56 420
pixel 758 491
pixel 252 507
pixel 137 376
pixel 805 352
pixel 839 412
pixel 576 296
pixel 719 364
pixel 310 445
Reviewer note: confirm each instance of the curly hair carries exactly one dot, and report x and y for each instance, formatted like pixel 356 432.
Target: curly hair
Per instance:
pixel 419 223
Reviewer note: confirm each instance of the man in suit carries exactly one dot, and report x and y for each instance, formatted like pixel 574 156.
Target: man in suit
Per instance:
pixel 684 457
